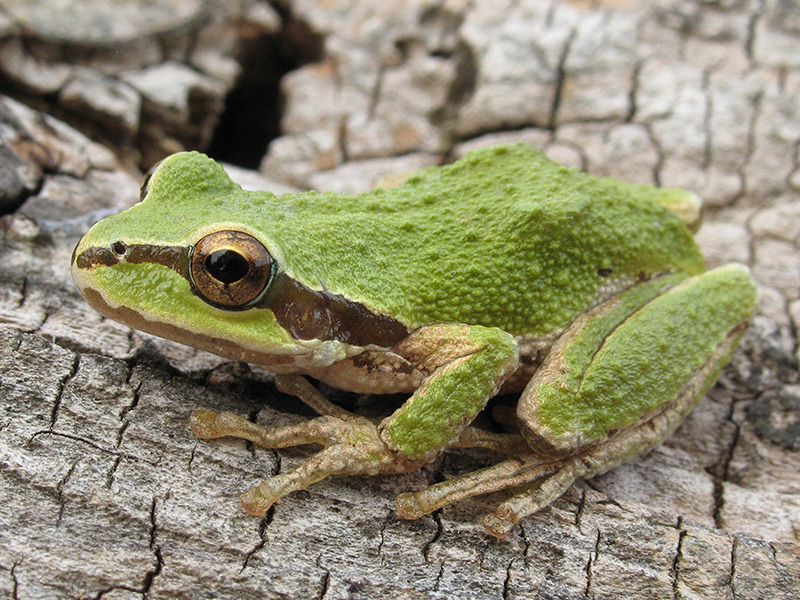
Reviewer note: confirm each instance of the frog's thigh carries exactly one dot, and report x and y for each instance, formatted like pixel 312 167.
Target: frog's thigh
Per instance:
pixel 632 358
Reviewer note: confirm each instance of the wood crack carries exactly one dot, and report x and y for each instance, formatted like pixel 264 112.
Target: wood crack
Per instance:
pixel 507 580
pixel 719 472
pixel 123 417
pixel 437 518
pixel 263 525
pixel 156 549
pixel 675 569
pixel 62 502
pixel 62 384
pixel 559 84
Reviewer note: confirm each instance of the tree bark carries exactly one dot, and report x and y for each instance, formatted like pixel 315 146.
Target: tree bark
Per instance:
pixel 106 493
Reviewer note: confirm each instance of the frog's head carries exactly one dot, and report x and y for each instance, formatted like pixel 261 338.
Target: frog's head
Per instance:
pixel 188 263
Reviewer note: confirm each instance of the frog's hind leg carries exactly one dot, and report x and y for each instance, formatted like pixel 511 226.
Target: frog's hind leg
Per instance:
pixel 627 444
pixel 717 303
pixel 626 352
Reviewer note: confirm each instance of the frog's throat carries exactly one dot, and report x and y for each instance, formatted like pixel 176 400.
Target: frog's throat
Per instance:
pixel 305 313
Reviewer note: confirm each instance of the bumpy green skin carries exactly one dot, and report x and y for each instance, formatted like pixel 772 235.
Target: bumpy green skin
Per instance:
pixel 502 238
pixel 636 358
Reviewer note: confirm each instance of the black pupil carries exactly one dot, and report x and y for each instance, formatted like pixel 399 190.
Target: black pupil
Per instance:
pixel 227 266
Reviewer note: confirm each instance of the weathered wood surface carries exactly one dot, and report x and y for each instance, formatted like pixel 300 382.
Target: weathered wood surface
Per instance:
pixel 105 493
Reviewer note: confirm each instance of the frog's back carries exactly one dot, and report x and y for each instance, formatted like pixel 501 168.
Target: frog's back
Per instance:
pixel 504 237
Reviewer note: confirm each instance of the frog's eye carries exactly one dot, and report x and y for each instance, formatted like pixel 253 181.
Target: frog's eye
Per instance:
pixel 230 269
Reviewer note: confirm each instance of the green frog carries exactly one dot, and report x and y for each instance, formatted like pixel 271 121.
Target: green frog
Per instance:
pixel 503 272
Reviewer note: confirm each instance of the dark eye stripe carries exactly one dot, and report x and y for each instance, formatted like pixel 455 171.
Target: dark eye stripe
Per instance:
pixel 172 257
pixel 310 314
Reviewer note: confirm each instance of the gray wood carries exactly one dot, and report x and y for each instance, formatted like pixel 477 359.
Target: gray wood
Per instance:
pixel 104 491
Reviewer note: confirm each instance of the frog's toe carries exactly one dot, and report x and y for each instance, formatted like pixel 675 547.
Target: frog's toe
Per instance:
pixel 258 499
pixel 537 496
pixel 337 459
pixel 409 507
pixel 536 484
pixel 207 424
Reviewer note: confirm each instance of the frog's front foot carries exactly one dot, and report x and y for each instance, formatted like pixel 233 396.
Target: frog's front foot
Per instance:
pixel 352 446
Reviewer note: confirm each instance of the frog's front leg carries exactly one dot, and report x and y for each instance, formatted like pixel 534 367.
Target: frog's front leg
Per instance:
pixel 466 366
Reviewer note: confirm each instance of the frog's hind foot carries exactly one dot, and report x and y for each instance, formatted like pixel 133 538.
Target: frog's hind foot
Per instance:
pixel 352 446
pixel 537 484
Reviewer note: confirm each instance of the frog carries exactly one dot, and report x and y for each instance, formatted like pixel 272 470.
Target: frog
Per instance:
pixel 584 298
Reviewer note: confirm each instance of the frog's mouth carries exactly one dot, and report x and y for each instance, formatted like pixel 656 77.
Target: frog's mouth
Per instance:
pixel 216 345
